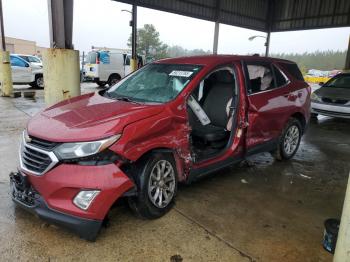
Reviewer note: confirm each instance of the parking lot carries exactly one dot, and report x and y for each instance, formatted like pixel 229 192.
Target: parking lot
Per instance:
pixel 258 210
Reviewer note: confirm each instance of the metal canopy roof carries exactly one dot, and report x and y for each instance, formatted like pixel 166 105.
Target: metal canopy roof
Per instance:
pixel 261 15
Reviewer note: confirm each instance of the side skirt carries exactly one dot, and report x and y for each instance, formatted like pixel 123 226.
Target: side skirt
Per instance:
pixel 199 173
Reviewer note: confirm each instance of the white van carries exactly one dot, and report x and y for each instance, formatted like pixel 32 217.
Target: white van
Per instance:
pixel 107 66
pixel 26 73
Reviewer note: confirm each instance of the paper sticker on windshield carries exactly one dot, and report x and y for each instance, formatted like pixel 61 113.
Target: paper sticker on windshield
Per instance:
pixel 181 73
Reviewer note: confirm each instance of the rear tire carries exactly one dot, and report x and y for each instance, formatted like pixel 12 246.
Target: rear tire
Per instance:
pixel 156 180
pixel 289 141
pixel 113 79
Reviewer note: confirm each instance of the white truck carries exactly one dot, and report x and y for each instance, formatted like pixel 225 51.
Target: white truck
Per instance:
pixel 107 66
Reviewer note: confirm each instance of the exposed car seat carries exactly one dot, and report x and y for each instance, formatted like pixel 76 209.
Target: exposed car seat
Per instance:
pixel 221 90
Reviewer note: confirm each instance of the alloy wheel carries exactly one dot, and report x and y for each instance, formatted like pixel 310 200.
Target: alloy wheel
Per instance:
pixel 161 184
pixel 40 82
pixel 291 140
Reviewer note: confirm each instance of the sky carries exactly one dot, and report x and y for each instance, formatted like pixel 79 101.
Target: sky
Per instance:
pixel 102 23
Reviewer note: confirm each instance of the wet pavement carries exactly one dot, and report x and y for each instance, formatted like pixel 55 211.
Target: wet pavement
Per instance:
pixel 261 210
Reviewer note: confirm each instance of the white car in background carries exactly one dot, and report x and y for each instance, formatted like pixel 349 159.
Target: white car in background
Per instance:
pixel 24 72
pixel 33 60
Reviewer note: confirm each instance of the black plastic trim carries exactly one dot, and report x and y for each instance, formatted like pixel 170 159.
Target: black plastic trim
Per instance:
pixel 198 173
pixel 263 147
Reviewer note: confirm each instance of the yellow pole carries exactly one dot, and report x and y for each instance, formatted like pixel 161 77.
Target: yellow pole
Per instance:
pixel 133 65
pixel 5 74
pixel 61 74
pixel 342 250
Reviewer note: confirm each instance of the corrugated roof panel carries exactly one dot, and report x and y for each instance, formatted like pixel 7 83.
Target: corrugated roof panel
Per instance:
pixel 310 14
pixel 255 14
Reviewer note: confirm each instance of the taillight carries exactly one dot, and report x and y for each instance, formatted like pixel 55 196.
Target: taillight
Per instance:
pixel 97 60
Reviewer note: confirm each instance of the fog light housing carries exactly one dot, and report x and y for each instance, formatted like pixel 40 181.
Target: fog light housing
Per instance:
pixel 84 198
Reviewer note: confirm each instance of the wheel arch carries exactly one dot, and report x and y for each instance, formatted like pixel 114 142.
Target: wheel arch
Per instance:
pixel 38 74
pixel 301 118
pixel 114 74
pixel 164 150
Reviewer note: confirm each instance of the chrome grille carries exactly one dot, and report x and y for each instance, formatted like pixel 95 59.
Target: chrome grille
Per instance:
pixel 34 159
pixel 43 144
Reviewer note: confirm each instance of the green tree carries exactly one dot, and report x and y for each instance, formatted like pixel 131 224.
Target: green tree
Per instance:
pixel 148 42
pixel 322 60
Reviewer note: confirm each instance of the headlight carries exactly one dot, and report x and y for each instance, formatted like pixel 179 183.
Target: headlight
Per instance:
pixel 82 149
pixel 315 97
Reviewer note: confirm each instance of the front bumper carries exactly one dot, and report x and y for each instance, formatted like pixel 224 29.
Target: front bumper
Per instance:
pixel 330 110
pixel 51 195
pixel 25 196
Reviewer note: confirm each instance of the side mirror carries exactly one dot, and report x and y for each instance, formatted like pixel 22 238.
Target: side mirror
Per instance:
pixel 27 65
pixel 321 83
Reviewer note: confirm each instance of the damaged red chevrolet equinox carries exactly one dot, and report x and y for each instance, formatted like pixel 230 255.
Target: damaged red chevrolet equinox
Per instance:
pixel 171 121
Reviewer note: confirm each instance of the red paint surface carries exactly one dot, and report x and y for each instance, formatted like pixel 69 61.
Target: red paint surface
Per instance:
pixel 60 185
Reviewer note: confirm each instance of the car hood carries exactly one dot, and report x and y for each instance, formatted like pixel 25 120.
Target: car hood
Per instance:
pixel 86 118
pixel 334 93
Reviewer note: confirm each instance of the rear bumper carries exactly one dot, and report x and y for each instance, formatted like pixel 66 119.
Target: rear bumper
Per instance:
pixel 330 110
pixel 28 199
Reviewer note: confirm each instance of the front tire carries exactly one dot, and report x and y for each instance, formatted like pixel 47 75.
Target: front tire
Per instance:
pixel 156 180
pixel 39 82
pixel 314 116
pixel 289 140
pixel 101 83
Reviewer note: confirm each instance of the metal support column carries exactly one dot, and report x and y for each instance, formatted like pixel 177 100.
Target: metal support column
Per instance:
pixel 342 250
pixel 216 38
pixel 133 23
pixel 267 44
pixel 5 65
pixel 61 62
pixel 347 60
pixel 269 20
pixel 217 27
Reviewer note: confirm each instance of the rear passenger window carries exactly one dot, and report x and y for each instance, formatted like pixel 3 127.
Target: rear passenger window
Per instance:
pixel 281 79
pixel 293 70
pixel 261 77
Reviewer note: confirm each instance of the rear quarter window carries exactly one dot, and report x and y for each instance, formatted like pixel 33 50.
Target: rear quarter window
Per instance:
pixel 293 70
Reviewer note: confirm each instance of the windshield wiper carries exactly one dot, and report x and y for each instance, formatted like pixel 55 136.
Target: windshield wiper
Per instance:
pixel 124 98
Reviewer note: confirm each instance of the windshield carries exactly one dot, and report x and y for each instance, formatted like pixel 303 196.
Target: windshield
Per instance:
pixel 341 81
pixel 91 58
pixel 33 59
pixel 158 83
pixel 30 59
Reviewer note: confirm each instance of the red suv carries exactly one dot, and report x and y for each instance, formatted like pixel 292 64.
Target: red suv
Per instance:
pixel 171 121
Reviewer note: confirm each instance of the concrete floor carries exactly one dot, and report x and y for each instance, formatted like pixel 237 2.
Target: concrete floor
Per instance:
pixel 261 211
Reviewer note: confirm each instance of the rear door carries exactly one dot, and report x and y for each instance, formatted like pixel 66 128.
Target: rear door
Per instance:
pixel 21 71
pixel 127 66
pixel 91 66
pixel 268 103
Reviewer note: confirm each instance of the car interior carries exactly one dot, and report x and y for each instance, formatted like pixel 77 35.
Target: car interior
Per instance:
pixel 261 78
pixel 211 108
